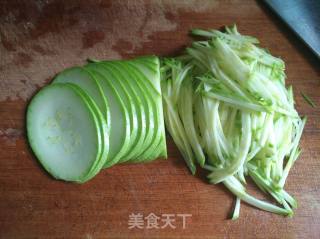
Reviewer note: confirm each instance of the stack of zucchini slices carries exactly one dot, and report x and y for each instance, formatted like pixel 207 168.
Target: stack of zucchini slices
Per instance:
pixel 95 116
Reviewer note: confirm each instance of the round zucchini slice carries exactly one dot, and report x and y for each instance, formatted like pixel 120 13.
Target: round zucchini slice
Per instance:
pixel 64 132
pixel 104 127
pixel 80 77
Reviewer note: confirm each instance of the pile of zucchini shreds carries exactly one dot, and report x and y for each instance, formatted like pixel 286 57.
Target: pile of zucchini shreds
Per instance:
pixel 227 108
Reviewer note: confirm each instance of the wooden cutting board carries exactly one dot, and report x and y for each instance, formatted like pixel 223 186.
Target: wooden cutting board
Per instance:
pixel 40 38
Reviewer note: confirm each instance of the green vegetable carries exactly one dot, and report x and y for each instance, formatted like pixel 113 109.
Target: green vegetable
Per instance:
pixel 227 108
pixel 308 100
pixel 68 134
pixel 225 104
pixel 127 102
pixel 95 116
pixel 236 212
pixel 120 129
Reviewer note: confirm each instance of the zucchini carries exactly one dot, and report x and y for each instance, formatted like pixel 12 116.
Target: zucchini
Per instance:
pixel 125 84
pixel 65 133
pixel 123 119
pixel 120 121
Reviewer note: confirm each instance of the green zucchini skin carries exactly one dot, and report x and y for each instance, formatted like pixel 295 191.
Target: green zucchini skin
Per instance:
pixel 131 100
pixel 147 68
pixel 120 121
pixel 43 115
pixel 80 77
pixel 121 106
pixel 104 130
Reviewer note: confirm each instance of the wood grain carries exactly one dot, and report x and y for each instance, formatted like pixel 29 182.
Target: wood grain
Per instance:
pixel 40 38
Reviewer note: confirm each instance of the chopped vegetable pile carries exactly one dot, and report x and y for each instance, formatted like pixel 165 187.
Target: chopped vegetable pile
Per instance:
pixel 224 102
pixel 95 116
pixel 227 109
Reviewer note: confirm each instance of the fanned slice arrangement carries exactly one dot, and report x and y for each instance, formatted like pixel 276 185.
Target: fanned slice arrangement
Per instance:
pixel 95 116
pixel 227 108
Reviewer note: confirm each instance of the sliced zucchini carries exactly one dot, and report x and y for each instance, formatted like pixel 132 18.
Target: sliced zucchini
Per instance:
pixel 92 92
pixel 149 67
pixel 131 97
pixel 104 128
pixel 80 77
pixel 159 152
pixel 95 116
pixel 120 121
pixel 153 64
pixel 148 105
pixel 65 133
pixel 156 106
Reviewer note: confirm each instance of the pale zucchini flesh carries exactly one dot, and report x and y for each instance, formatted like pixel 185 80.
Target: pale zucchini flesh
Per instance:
pixel 80 77
pixel 104 127
pixel 63 132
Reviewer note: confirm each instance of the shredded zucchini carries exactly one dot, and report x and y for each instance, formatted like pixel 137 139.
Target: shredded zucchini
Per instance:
pixel 228 109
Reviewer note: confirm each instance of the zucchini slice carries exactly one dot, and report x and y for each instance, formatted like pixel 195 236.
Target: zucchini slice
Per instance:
pixel 120 120
pixel 132 100
pixel 104 127
pixel 80 77
pixel 152 64
pixel 149 67
pixel 137 82
pixel 65 133
pixel 156 104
